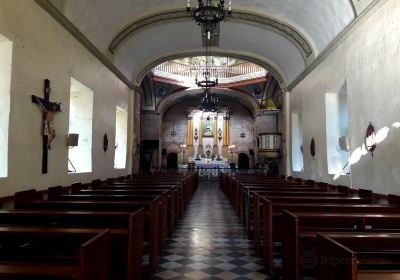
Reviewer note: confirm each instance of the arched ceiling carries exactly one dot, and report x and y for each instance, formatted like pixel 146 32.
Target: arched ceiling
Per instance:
pixel 286 34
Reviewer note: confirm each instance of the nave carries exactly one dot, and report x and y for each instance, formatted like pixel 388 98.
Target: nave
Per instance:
pixel 209 242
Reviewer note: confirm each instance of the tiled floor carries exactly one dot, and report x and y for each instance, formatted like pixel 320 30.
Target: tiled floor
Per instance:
pixel 209 242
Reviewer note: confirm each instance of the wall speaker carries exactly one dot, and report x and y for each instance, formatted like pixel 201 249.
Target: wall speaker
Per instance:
pixel 72 140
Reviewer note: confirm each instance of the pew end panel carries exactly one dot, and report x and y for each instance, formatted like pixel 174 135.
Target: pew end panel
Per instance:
pixel 335 261
pixel 291 246
pixel 135 245
pixel 95 257
pixel 267 246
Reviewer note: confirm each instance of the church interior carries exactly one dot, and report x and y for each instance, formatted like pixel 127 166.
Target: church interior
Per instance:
pixel 199 139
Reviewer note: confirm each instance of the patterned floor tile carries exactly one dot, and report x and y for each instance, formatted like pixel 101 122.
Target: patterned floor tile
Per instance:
pixel 209 242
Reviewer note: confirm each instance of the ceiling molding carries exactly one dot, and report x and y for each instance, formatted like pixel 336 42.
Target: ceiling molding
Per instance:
pixel 272 69
pixel 284 29
pixel 78 35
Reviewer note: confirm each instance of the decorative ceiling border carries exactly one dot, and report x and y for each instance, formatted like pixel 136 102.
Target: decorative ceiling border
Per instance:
pixel 286 30
pixel 271 69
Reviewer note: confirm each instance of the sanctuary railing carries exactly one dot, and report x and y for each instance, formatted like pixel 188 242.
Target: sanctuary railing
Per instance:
pixel 226 74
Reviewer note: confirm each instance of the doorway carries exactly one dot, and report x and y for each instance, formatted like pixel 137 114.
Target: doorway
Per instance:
pixel 243 161
pixel 172 161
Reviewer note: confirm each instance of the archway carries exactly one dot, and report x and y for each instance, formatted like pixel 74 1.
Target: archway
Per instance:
pixel 243 161
pixel 172 161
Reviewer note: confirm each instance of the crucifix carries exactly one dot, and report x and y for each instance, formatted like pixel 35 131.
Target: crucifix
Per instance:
pixel 48 110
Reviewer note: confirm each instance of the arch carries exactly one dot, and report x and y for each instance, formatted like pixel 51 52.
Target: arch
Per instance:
pixel 273 69
pixel 172 161
pixel 246 100
pixel 283 28
pixel 243 161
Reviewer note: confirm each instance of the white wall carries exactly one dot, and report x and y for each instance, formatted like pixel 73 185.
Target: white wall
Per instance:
pixel 368 59
pixel 43 49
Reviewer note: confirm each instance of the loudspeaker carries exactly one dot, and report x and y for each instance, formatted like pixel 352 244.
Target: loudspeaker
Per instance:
pixel 73 139
pixel 164 152
pixel 251 152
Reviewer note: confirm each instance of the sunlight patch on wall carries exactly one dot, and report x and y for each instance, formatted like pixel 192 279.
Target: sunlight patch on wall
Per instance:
pixel 5 87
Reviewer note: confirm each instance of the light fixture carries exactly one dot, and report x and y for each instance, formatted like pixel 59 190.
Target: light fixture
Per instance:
pixel 209 15
pixel 209 102
pixel 207 82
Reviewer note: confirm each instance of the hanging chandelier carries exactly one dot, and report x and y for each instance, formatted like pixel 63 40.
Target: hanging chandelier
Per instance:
pixel 209 102
pixel 209 15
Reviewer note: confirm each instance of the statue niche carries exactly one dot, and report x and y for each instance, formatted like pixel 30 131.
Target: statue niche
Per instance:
pixel 208 129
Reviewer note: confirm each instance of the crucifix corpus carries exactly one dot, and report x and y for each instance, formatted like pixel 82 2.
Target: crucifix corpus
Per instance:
pixel 48 110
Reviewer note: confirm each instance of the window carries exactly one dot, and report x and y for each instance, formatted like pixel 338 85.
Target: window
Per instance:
pixel 5 86
pixel 297 142
pixel 121 138
pixel 337 125
pixel 80 122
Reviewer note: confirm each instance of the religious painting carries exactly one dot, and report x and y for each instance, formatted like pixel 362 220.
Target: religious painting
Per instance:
pixel 208 129
pixel 256 90
pixel 162 90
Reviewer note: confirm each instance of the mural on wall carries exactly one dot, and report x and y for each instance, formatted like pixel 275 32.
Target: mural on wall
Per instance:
pixel 254 89
pixel 162 89
pixel 148 91
pixel 272 99
pixel 267 93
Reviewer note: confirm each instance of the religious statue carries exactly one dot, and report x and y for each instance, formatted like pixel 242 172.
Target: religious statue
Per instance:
pixel 208 151
pixel 48 109
pixel 208 130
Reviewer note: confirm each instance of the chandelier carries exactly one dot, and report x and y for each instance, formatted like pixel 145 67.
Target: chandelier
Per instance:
pixel 209 15
pixel 209 102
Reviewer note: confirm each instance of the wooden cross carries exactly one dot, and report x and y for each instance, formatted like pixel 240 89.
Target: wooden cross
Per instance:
pixel 48 110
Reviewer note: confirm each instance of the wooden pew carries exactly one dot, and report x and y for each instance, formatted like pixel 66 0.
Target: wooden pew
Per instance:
pixel 171 199
pixel 300 230
pixel 323 197
pixel 152 231
pixel 126 231
pixel 59 253
pixel 177 190
pixel 163 204
pixel 358 256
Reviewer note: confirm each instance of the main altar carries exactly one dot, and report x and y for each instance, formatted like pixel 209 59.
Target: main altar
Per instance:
pixel 208 138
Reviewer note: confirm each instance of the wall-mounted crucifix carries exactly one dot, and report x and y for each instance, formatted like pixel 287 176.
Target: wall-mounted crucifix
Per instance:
pixel 48 110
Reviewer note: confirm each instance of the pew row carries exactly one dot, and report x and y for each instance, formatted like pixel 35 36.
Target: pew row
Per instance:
pixel 54 253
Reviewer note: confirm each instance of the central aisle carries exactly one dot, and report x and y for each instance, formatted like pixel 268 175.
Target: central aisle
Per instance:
pixel 209 242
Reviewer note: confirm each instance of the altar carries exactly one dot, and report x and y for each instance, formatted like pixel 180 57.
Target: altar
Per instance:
pixel 210 164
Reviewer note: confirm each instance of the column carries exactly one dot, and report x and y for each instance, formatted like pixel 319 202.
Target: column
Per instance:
pixel 215 124
pixel 215 146
pixel 190 131
pixel 201 137
pixel 190 149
